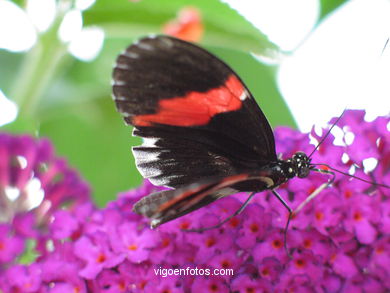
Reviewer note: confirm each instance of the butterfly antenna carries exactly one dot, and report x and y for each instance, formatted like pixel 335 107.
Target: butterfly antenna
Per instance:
pixel 353 176
pixel 242 207
pixel 384 47
pixel 326 135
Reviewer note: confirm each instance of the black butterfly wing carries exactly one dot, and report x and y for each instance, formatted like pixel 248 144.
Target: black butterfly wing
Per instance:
pixel 196 116
pixel 168 205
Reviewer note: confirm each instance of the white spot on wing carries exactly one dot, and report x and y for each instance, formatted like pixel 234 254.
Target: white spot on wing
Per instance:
pixel 120 98
pixel 145 46
pixel 122 112
pixel 225 192
pixel 144 160
pixel 150 142
pixel 118 82
pixel 122 66
pixel 155 223
pixel 244 95
pixel 142 156
pixel 268 181
pixel 130 54
pixel 166 42
pixel 149 172
pixel 159 181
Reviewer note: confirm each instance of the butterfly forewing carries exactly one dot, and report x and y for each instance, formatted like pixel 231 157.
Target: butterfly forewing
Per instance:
pixel 196 116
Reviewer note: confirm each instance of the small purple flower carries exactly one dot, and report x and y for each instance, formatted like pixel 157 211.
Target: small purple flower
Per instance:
pixel 252 230
pixel 97 254
pixel 210 243
pixel 229 260
pixel 10 245
pixel 344 265
pixel 313 241
pixel 134 244
pixel 111 281
pixel 327 213
pixel 270 269
pixel 210 285
pixel 164 248
pixel 171 284
pixel 61 274
pixel 360 218
pixel 244 284
pixel 20 278
pixel 304 263
pixel 272 246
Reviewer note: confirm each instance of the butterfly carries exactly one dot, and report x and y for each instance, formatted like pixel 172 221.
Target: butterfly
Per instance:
pixel 203 133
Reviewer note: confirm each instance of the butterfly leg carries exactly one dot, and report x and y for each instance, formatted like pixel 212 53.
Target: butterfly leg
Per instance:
pixel 237 212
pixel 317 191
pixel 290 214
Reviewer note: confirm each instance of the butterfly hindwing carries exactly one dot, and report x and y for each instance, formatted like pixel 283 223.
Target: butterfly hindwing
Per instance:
pixel 196 116
pixel 167 205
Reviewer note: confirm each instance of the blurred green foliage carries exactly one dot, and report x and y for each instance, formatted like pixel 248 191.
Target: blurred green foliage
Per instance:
pixel 70 102
pixel 326 7
pixel 224 26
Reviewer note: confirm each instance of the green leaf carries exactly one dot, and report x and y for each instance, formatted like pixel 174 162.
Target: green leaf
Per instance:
pixel 9 63
pixel 223 25
pixel 20 3
pixel 328 7
pixel 30 253
pixel 83 81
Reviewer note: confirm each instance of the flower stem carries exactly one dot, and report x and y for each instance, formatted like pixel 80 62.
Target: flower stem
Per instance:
pixel 38 69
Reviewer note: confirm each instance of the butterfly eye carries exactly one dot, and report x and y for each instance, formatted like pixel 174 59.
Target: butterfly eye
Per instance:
pixel 303 171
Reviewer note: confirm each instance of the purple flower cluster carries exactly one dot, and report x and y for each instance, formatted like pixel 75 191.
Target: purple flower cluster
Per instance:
pixel 340 241
pixel 34 183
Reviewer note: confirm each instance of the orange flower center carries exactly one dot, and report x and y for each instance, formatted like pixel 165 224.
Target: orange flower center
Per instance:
pixel 101 258
pixel 184 225
pixel 307 243
pixel 319 216
pixel 300 263
pixel 122 285
pixel 210 242
pixel 226 264
pixel 357 216
pixel 132 247
pixel 348 193
pixel 165 242
pixel 234 222
pixel 277 244
pixel 254 228
pixel 213 288
pixel 379 250
pixel 265 272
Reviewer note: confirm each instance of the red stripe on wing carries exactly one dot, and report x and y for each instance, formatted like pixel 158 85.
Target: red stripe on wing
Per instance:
pixel 228 181
pixel 196 108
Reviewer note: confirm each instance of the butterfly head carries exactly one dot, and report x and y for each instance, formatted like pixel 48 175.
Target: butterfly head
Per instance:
pixel 301 164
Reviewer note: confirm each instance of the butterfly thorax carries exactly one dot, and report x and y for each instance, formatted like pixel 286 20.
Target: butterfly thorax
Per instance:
pixel 275 173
